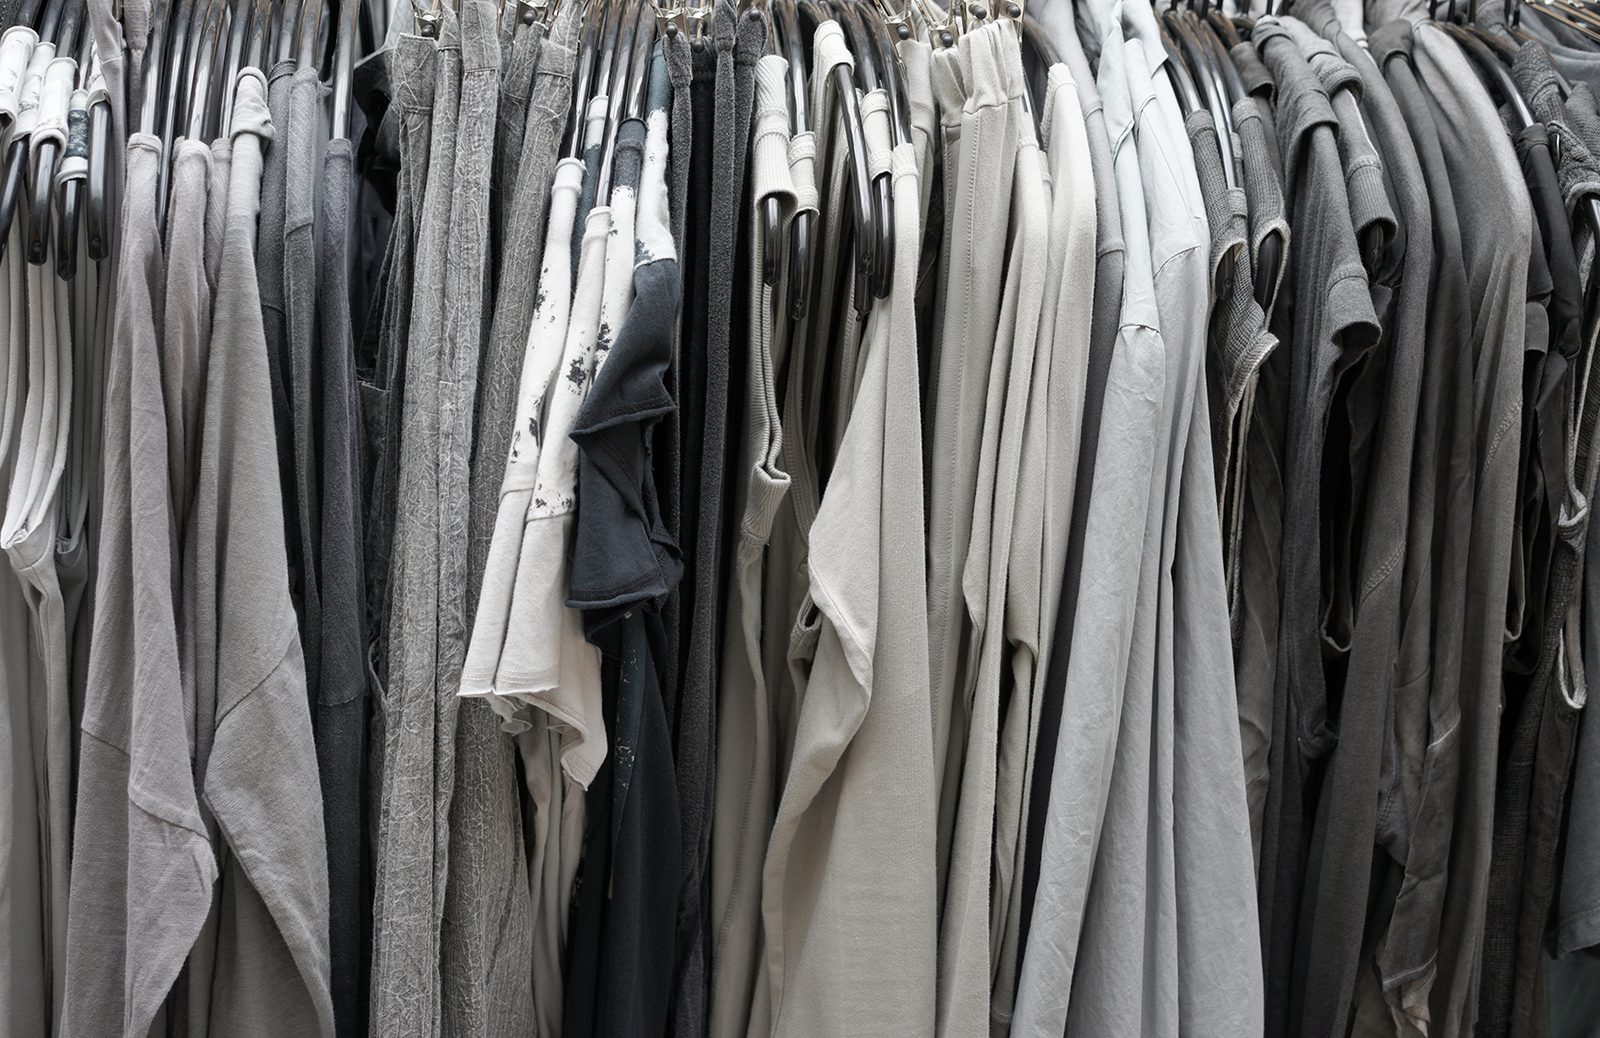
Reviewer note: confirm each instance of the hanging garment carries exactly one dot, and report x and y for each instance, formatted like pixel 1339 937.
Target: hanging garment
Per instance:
pixel 739 40
pixel 746 784
pixel 416 762
pixel 1106 306
pixel 986 93
pixel 862 763
pixel 1427 716
pixel 623 564
pixel 302 127
pixel 1100 656
pixel 1496 225
pixel 272 932
pixel 342 705
pixel 27 998
pixel 492 979
pixel 32 518
pixel 1334 328
pixel 144 867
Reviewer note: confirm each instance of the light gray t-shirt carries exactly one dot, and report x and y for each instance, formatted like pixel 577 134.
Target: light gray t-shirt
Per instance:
pixel 143 867
pixel 260 777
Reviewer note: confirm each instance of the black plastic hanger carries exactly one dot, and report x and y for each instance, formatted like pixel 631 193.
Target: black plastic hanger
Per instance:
pixel 99 185
pixel 1227 33
pixel 771 209
pixel 67 17
pixel 1183 82
pixel 1046 55
pixel 856 141
pixel 1188 30
pixel 870 79
pixel 800 228
pixel 17 152
pixel 179 22
pixel 72 190
pixel 1522 118
pixel 1232 82
pixel 899 117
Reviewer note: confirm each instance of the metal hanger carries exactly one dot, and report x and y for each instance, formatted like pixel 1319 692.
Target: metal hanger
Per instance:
pixel 618 80
pixel 245 15
pixel 255 53
pixel 344 67
pixel 582 81
pixel 289 15
pixel 203 55
pixel 1555 14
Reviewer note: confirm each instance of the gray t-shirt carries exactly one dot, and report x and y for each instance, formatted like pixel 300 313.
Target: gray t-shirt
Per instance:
pixel 259 778
pixel 144 868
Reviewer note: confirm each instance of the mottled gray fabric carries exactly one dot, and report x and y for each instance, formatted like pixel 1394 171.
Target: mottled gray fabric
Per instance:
pixel 417 767
pixel 259 776
pixel 492 989
pixel 382 360
pixel 522 252
pixel 487 934
pixel 419 942
pixel 520 55
pixel 143 867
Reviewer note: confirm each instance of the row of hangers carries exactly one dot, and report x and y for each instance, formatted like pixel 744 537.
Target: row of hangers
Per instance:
pixel 195 51
pixel 61 30
pixel 197 48
pixel 1493 55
